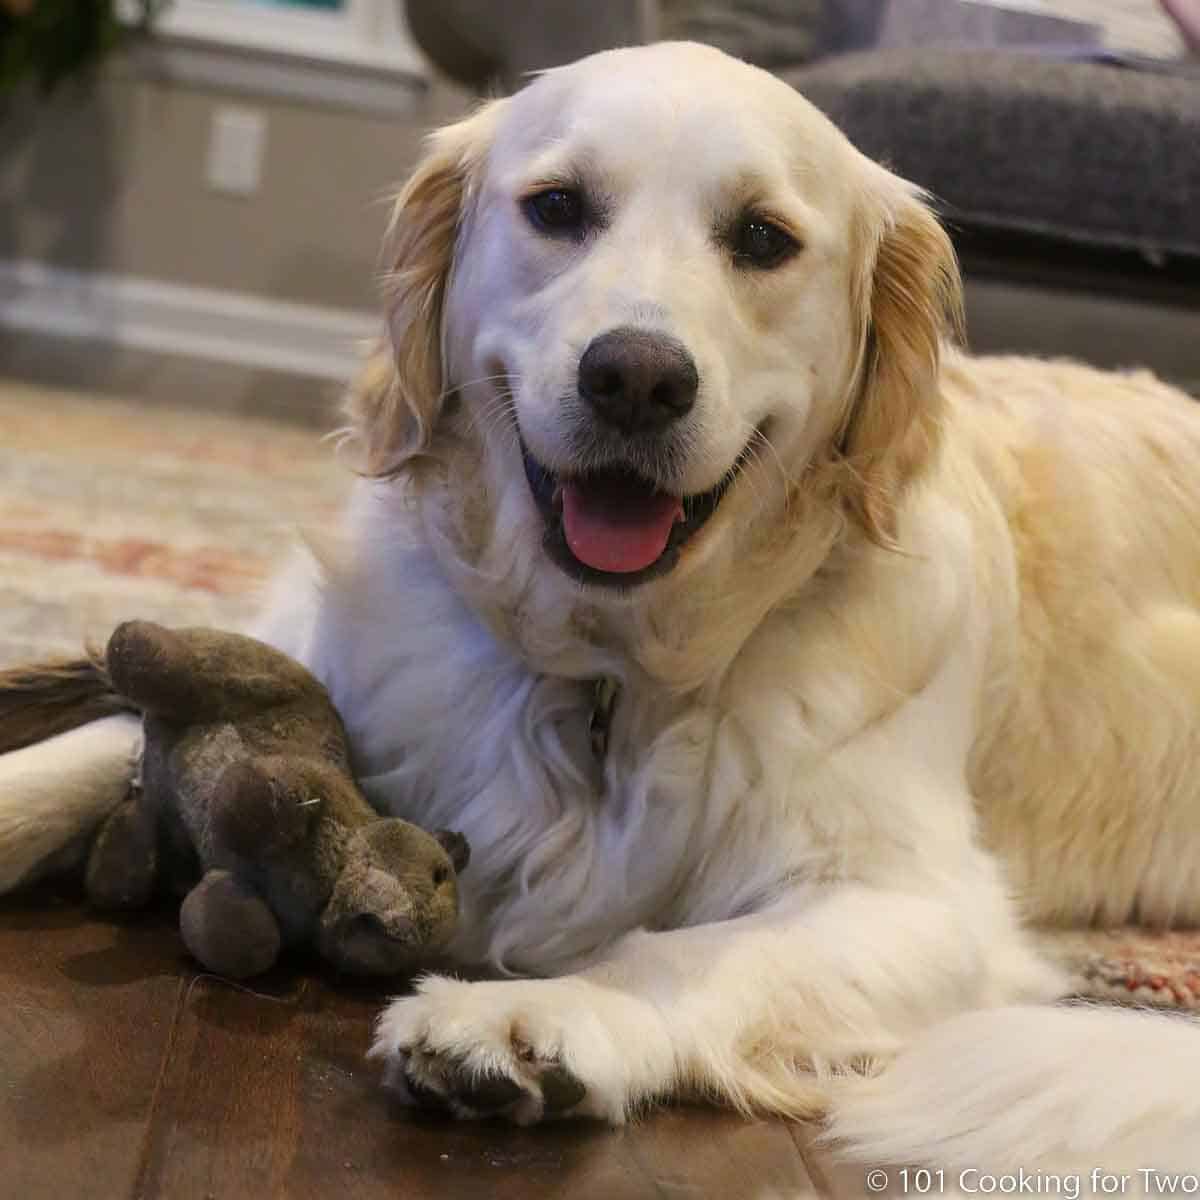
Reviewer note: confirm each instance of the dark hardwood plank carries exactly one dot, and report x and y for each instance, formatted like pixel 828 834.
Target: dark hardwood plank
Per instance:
pixel 835 1180
pixel 706 1152
pixel 125 1073
pixel 86 1014
pixel 268 1094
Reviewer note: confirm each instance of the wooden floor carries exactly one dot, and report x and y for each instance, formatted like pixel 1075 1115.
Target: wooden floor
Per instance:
pixel 124 1073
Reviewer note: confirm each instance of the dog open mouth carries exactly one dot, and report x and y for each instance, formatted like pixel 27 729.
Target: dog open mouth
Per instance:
pixel 614 526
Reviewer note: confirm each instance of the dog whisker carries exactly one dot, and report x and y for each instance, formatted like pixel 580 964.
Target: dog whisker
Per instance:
pixel 496 415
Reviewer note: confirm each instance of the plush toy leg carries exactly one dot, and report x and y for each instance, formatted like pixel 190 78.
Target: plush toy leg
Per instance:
pixel 153 667
pixel 123 863
pixel 228 928
pixel 199 674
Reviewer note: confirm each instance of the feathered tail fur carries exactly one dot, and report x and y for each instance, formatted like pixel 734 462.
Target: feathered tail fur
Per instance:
pixel 68 751
pixel 1057 1093
pixel 40 701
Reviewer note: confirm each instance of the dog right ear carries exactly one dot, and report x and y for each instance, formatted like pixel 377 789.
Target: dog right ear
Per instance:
pixel 396 402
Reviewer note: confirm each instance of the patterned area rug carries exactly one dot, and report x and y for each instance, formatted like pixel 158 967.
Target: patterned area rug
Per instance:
pixel 1130 966
pixel 112 509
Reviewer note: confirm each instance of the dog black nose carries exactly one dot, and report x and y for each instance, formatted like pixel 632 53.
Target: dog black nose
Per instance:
pixel 638 381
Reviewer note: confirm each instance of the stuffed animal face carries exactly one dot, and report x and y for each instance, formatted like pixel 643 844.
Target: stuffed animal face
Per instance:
pixel 396 900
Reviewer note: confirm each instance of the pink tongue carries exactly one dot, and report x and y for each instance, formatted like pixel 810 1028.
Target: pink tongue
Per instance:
pixel 616 526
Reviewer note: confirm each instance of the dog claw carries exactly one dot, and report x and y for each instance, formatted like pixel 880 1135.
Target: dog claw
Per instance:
pixel 399 1080
pixel 426 1098
pixel 561 1090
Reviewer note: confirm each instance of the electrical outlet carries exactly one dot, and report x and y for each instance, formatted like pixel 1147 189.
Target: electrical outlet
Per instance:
pixel 237 143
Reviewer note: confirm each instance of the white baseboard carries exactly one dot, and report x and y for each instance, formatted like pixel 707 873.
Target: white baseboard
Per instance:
pixel 332 85
pixel 168 318
pixel 362 57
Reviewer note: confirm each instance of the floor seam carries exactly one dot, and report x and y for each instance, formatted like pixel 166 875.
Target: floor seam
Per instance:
pixel 140 1181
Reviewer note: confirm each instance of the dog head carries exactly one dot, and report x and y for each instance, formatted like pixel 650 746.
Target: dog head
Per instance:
pixel 660 295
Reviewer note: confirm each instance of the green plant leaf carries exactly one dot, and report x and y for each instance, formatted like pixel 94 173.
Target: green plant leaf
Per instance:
pixel 50 41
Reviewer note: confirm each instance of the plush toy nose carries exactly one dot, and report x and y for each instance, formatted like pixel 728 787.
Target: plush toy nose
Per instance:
pixel 394 928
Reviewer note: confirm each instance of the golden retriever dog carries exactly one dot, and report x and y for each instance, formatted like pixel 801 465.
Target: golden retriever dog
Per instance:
pixel 783 664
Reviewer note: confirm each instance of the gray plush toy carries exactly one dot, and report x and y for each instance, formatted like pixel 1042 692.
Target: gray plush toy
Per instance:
pixel 246 788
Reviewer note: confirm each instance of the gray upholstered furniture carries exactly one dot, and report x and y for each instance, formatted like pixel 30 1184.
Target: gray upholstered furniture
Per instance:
pixel 1072 188
pixel 1094 155
pixel 494 44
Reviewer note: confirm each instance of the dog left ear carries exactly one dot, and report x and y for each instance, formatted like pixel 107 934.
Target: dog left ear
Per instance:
pixel 395 404
pixel 908 295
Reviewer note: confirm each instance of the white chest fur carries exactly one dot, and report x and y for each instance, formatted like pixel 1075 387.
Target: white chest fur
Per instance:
pixel 705 803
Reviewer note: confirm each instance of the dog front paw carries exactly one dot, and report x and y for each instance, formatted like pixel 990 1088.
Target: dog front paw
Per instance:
pixel 525 1051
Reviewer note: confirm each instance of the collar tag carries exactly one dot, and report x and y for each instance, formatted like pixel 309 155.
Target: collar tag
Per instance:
pixel 604 701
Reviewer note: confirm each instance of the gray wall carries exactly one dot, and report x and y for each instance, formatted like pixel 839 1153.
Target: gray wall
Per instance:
pixel 111 178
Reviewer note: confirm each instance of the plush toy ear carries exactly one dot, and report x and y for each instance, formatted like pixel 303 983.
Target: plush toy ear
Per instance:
pixel 908 298
pixel 396 403
pixel 254 811
pixel 456 846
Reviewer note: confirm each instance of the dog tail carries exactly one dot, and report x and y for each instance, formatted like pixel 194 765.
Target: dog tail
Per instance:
pixel 41 701
pixel 67 756
pixel 1067 1090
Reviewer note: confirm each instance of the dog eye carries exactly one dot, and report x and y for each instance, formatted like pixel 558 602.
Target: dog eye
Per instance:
pixel 556 210
pixel 761 244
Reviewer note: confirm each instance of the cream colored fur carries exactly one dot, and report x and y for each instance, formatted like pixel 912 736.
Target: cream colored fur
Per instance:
pixel 930 674
pixel 54 792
